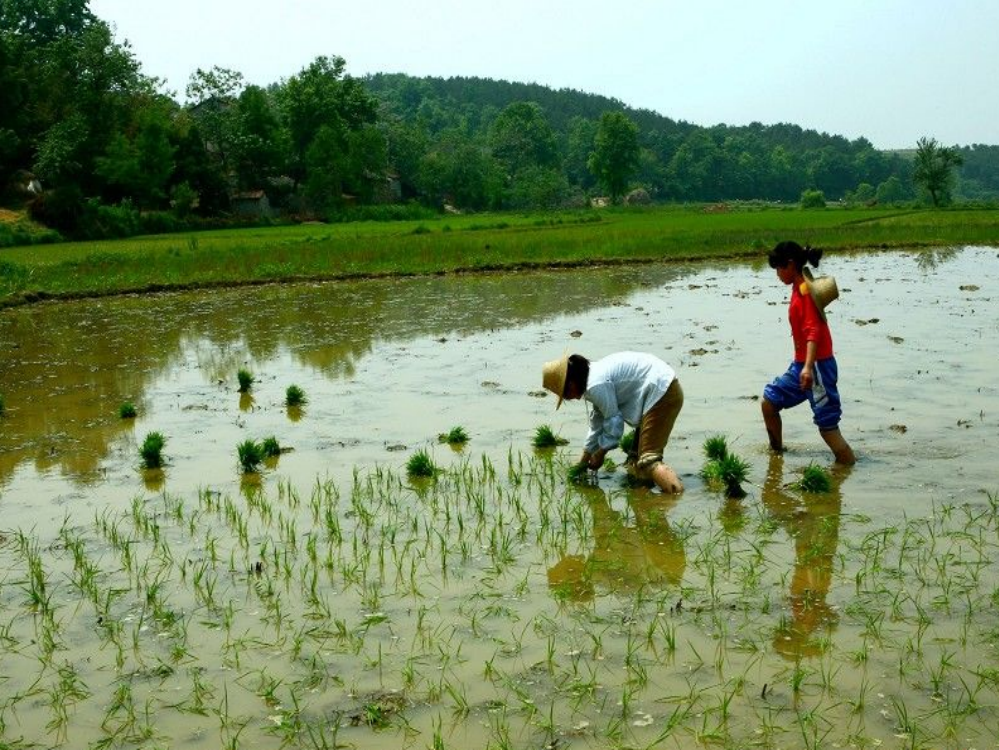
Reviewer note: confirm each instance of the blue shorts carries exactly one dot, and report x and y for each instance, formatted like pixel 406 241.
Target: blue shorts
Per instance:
pixel 785 392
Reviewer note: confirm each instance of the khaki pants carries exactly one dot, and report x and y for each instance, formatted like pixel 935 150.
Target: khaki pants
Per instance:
pixel 653 432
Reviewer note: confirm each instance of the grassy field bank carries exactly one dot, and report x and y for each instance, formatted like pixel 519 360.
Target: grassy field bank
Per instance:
pixel 461 243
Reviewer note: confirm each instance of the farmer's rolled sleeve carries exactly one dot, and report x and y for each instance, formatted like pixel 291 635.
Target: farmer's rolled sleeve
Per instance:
pixel 622 387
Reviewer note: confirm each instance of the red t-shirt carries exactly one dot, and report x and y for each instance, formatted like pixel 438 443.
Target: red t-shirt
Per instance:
pixel 807 325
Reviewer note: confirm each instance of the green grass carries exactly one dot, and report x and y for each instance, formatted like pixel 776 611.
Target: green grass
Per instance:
pixel 462 243
pixel 127 410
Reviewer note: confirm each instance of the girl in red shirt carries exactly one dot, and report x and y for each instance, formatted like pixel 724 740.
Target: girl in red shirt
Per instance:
pixel 812 374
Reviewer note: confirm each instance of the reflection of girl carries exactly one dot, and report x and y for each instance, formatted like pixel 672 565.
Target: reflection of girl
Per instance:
pixel 812 375
pixel 813 524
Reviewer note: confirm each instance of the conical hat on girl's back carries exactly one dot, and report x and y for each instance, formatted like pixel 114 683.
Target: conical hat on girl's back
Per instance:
pixel 822 289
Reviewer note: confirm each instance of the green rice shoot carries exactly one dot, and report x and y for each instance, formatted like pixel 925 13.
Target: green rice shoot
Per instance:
pixel 421 465
pixel 545 437
pixel 152 450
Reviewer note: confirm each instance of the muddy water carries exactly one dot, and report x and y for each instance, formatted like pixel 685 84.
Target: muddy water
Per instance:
pixel 388 365
pixel 467 628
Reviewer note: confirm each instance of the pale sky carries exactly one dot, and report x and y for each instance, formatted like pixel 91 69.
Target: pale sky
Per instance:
pixel 889 70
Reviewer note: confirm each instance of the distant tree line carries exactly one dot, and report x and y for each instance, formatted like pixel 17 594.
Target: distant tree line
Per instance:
pixel 96 148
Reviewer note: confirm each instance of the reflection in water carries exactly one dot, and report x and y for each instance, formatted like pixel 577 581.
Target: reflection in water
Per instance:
pixel 66 368
pixel 154 479
pixel 626 556
pixel 812 521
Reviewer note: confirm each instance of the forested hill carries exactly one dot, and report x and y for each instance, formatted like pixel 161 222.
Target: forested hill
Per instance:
pixel 93 147
pixel 677 161
pixel 483 98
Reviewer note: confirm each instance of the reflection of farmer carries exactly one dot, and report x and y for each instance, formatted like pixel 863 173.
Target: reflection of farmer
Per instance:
pixel 624 557
pixel 813 523
pixel 624 388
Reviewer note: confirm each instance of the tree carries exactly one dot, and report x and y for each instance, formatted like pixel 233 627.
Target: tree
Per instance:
pixel 322 97
pixel 260 143
pixel 615 153
pixel 934 169
pixel 213 95
pixel 521 137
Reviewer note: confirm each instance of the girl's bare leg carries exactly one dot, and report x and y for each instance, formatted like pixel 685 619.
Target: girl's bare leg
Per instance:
pixel 774 425
pixel 840 448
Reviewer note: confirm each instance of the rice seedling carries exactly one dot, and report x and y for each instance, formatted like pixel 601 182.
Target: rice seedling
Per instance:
pixel 733 471
pixel 152 450
pixel 578 474
pixel 455 436
pixel 723 467
pixel 814 479
pixel 250 454
pixel 270 447
pixel 295 396
pixel 127 410
pixel 245 379
pixel 716 448
pixel 421 465
pixel 545 437
pixel 627 441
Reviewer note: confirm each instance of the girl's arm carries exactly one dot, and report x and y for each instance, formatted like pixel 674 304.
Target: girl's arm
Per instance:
pixel 807 380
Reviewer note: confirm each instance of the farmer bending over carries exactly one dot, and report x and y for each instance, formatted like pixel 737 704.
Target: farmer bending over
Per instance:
pixel 624 388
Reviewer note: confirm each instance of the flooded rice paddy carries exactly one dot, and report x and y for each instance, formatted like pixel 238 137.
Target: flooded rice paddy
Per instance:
pixel 329 600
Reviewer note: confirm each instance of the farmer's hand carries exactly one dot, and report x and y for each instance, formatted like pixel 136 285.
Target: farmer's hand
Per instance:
pixel 597 459
pixel 806 378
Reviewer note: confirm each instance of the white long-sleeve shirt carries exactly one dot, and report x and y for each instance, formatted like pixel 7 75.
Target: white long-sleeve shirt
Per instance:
pixel 622 387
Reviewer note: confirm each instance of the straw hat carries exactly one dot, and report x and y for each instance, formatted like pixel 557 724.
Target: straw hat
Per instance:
pixel 823 290
pixel 553 375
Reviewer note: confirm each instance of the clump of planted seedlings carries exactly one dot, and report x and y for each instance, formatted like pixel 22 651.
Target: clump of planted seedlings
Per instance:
pixel 455 436
pixel 127 410
pixel 421 466
pixel 271 447
pixel 245 378
pixel 2 407
pixel 250 454
pixel 627 441
pixel 152 450
pixel 545 437
pixel 578 473
pixel 814 479
pixel 724 468
pixel 294 396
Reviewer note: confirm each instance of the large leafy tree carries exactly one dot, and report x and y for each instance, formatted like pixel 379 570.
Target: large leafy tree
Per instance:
pixel 212 95
pixel 934 169
pixel 615 153
pixel 68 89
pixel 521 137
pixel 260 141
pixel 323 99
